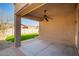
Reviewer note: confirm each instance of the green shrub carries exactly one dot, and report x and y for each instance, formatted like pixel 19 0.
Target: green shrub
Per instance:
pixel 23 37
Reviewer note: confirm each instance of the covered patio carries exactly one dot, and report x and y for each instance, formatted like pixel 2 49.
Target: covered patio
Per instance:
pixel 58 36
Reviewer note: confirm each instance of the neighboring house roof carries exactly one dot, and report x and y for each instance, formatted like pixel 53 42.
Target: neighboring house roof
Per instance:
pixel 24 26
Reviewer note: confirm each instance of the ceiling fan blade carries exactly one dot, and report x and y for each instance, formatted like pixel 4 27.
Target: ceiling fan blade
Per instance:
pixel 46 19
pixel 50 18
pixel 42 18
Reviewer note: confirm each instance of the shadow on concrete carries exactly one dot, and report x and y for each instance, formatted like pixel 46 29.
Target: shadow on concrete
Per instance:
pixel 4 44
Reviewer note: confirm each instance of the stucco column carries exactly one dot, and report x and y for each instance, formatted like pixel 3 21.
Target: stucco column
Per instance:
pixel 17 30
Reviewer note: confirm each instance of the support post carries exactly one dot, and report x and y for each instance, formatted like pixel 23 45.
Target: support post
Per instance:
pixel 17 30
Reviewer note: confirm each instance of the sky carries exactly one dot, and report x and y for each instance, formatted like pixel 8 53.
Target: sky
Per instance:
pixel 29 22
pixel 7 12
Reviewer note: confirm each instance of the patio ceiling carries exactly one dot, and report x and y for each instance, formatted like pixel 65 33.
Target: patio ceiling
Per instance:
pixel 36 10
pixel 53 10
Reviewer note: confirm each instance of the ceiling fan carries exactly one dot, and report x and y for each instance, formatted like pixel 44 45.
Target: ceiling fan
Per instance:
pixel 46 17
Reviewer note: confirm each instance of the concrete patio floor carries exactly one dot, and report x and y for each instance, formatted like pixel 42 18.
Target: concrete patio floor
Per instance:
pixel 37 47
pixel 4 44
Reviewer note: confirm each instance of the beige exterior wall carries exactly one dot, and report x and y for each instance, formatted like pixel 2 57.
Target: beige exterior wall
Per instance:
pixel 61 29
pixel 77 27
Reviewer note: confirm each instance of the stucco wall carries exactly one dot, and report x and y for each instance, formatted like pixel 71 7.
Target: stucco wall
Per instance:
pixel 77 29
pixel 61 29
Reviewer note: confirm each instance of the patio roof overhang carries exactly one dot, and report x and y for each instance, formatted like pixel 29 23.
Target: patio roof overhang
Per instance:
pixel 23 10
